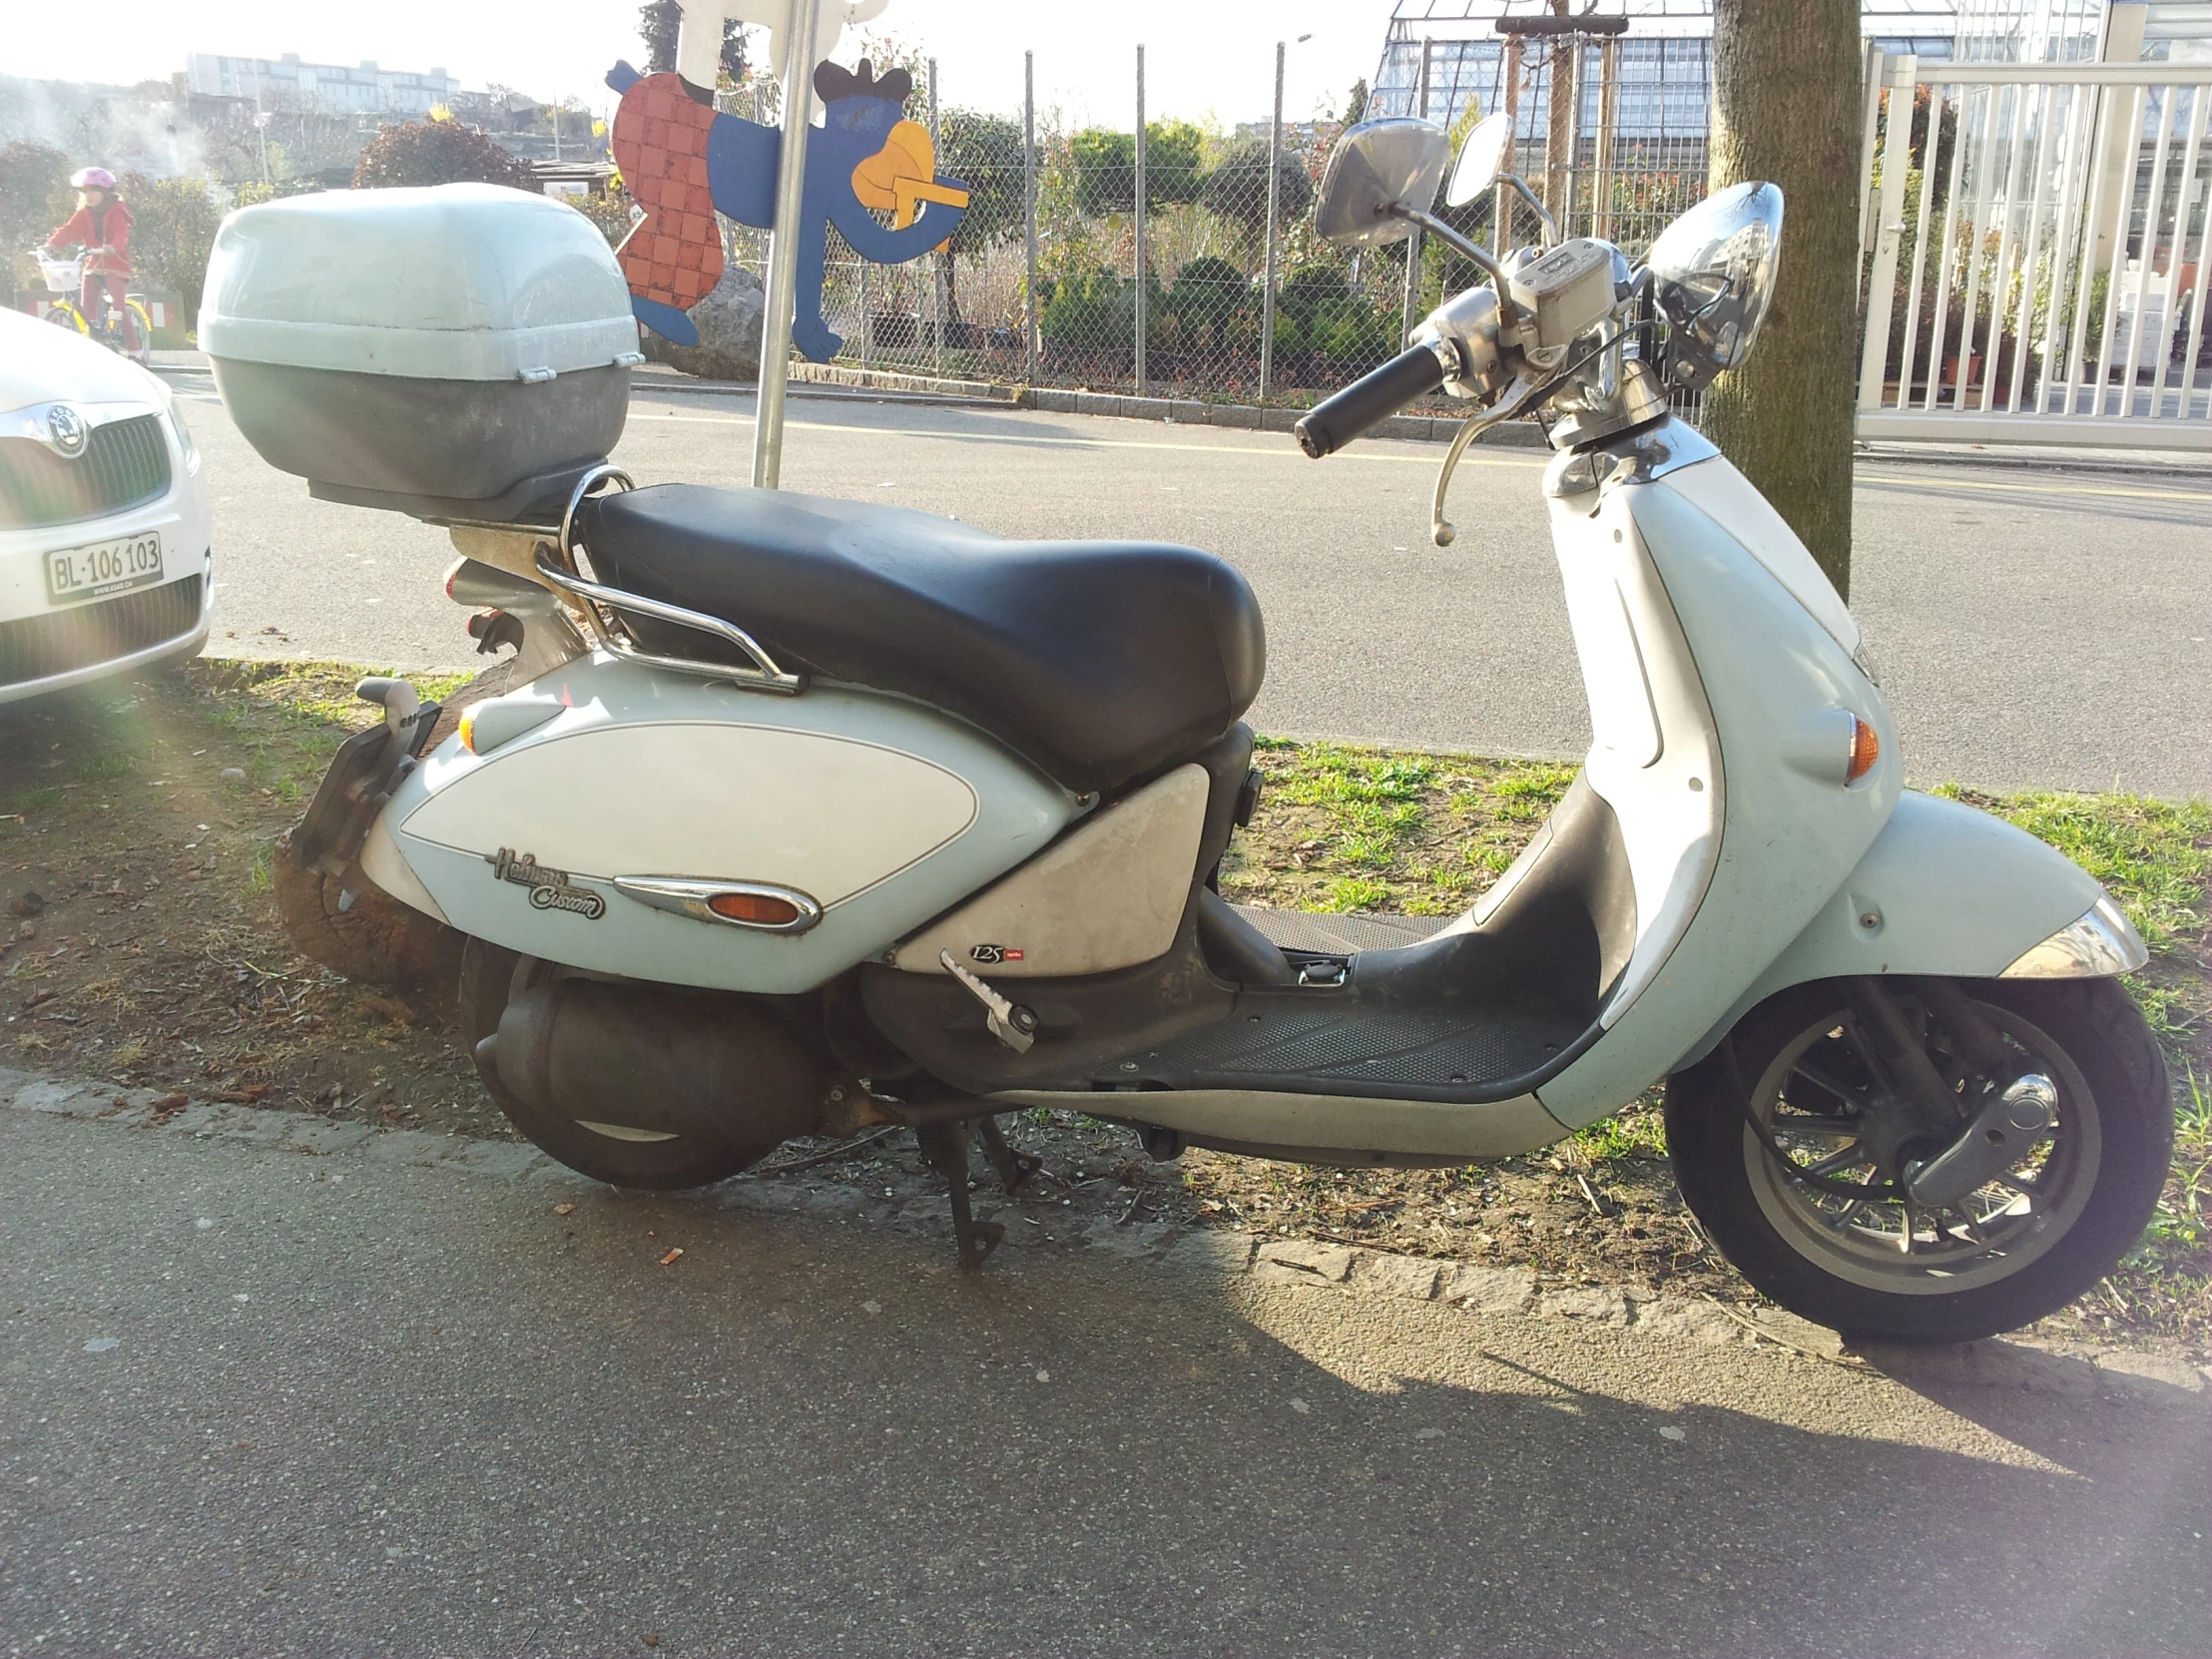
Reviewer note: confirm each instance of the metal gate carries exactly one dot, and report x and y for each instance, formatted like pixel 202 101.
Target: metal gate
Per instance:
pixel 2034 253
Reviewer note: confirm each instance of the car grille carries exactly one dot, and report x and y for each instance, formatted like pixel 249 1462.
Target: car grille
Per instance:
pixel 125 463
pixel 59 642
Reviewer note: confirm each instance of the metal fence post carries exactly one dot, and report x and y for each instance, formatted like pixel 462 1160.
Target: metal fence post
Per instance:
pixel 868 322
pixel 1274 191
pixel 783 248
pixel 1502 221
pixel 1901 71
pixel 1139 182
pixel 1029 209
pixel 1412 240
pixel 937 306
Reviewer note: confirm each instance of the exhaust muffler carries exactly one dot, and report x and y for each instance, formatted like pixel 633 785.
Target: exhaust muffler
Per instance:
pixel 706 1064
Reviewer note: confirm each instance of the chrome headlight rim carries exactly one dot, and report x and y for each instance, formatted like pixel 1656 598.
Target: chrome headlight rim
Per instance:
pixel 2096 945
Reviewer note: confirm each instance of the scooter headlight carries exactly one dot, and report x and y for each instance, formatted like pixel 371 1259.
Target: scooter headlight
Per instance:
pixel 1713 272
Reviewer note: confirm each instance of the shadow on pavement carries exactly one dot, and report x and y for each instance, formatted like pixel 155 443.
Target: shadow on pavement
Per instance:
pixel 373 1407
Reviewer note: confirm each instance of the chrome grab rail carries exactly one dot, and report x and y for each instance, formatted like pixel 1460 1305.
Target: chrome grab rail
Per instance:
pixel 765 675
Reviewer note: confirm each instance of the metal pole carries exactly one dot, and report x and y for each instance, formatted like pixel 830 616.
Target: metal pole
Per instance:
pixel 1501 221
pixel 937 305
pixel 783 248
pixel 1141 309
pixel 1412 241
pixel 868 322
pixel 1267 293
pixel 1029 209
pixel 1579 47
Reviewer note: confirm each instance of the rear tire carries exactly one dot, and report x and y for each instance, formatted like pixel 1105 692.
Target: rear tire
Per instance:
pixel 490 974
pixel 2105 1168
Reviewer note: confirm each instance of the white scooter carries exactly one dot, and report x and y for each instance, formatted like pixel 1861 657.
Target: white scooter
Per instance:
pixel 801 814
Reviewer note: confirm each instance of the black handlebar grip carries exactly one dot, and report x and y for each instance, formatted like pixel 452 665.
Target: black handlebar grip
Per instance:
pixel 1334 422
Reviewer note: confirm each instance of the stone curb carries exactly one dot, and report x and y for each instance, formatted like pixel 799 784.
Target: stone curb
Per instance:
pixel 1511 434
pixel 1307 1266
pixel 1178 411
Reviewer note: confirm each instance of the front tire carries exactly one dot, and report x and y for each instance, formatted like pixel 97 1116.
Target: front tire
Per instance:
pixel 2023 1247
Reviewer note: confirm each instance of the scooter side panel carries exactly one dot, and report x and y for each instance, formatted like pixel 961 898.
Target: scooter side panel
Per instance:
pixel 1944 890
pixel 1775 678
pixel 884 812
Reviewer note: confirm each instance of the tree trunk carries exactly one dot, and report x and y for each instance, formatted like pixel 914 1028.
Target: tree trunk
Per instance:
pixel 1786 91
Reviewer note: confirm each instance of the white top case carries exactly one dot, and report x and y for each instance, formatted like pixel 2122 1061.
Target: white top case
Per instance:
pixel 451 282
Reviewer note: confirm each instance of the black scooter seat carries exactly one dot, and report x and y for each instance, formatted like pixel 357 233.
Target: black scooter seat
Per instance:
pixel 1100 662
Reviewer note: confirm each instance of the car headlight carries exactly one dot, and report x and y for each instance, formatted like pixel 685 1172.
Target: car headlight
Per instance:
pixel 184 443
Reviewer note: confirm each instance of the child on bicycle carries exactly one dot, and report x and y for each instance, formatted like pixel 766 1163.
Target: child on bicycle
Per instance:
pixel 102 225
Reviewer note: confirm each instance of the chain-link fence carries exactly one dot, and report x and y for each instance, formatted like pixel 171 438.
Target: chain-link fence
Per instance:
pixel 1187 265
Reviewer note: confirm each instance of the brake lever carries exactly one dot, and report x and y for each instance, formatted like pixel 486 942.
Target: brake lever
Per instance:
pixel 1524 389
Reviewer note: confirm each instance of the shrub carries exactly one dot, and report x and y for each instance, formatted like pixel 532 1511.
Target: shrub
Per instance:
pixel 439 152
pixel 1237 190
pixel 1209 297
pixel 173 226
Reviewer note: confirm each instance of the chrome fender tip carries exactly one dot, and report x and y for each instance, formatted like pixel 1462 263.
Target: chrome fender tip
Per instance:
pixel 2094 946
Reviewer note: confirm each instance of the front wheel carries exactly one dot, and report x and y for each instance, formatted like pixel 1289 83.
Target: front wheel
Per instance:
pixel 142 323
pixel 1816 1211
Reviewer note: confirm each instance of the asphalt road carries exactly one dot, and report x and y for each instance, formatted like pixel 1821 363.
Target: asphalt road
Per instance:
pixel 264 1402
pixel 2032 628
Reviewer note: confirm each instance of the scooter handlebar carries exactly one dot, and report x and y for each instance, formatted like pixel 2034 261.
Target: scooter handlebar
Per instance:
pixel 1373 398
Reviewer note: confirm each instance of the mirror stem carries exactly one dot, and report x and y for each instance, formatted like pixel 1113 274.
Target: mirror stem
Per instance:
pixel 1451 238
pixel 1519 188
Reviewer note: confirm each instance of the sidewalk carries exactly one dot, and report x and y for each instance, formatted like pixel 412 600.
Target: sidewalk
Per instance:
pixel 283 1384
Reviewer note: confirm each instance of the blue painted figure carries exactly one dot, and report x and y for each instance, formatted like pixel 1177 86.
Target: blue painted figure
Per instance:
pixel 866 155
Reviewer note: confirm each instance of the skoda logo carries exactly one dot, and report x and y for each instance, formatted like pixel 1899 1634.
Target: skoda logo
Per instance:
pixel 64 429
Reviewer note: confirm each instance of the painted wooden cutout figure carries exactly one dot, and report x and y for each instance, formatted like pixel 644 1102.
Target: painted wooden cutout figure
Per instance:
pixel 684 161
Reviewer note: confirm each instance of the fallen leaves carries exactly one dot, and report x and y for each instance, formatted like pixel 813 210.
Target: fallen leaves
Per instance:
pixel 564 1209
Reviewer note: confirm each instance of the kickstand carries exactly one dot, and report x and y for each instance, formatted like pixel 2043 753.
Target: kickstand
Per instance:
pixel 1014 1168
pixel 945 1145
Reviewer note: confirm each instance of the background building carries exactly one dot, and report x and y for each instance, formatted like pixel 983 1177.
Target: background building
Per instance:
pixel 340 89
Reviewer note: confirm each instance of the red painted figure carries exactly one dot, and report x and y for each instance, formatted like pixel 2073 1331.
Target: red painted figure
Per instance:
pixel 102 225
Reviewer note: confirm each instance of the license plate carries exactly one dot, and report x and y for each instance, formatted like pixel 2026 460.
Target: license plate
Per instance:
pixel 73 574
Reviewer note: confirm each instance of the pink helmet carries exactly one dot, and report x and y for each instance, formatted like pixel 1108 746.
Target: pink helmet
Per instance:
pixel 92 178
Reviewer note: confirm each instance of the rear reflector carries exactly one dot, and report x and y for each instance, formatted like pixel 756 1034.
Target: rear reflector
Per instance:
pixel 760 909
pixel 1865 749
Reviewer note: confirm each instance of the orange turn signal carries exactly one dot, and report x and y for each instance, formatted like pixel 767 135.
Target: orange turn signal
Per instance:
pixel 760 908
pixel 467 729
pixel 1865 749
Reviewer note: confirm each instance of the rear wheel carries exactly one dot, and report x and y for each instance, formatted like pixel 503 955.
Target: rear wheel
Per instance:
pixel 617 1154
pixel 2042 1229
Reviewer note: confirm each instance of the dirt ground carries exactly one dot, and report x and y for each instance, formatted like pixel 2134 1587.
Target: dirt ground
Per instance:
pixel 138 823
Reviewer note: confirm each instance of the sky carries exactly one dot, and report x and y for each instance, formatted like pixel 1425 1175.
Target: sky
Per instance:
pixel 1203 57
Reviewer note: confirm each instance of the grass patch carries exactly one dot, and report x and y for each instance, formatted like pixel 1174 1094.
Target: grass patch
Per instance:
pixel 1341 828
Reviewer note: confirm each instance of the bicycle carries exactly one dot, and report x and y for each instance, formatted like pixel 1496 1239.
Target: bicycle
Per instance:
pixel 65 281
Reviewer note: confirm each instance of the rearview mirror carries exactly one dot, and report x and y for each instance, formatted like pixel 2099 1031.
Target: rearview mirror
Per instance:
pixel 1481 160
pixel 1391 163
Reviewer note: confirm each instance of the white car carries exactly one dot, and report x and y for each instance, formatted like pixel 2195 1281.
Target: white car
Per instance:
pixel 105 556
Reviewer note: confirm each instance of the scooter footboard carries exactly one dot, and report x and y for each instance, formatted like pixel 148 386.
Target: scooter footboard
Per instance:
pixel 690 833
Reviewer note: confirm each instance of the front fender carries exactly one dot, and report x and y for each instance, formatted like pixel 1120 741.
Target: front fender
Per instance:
pixel 1945 890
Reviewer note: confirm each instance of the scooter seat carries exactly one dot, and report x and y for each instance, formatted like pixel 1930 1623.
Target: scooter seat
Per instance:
pixel 1098 661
